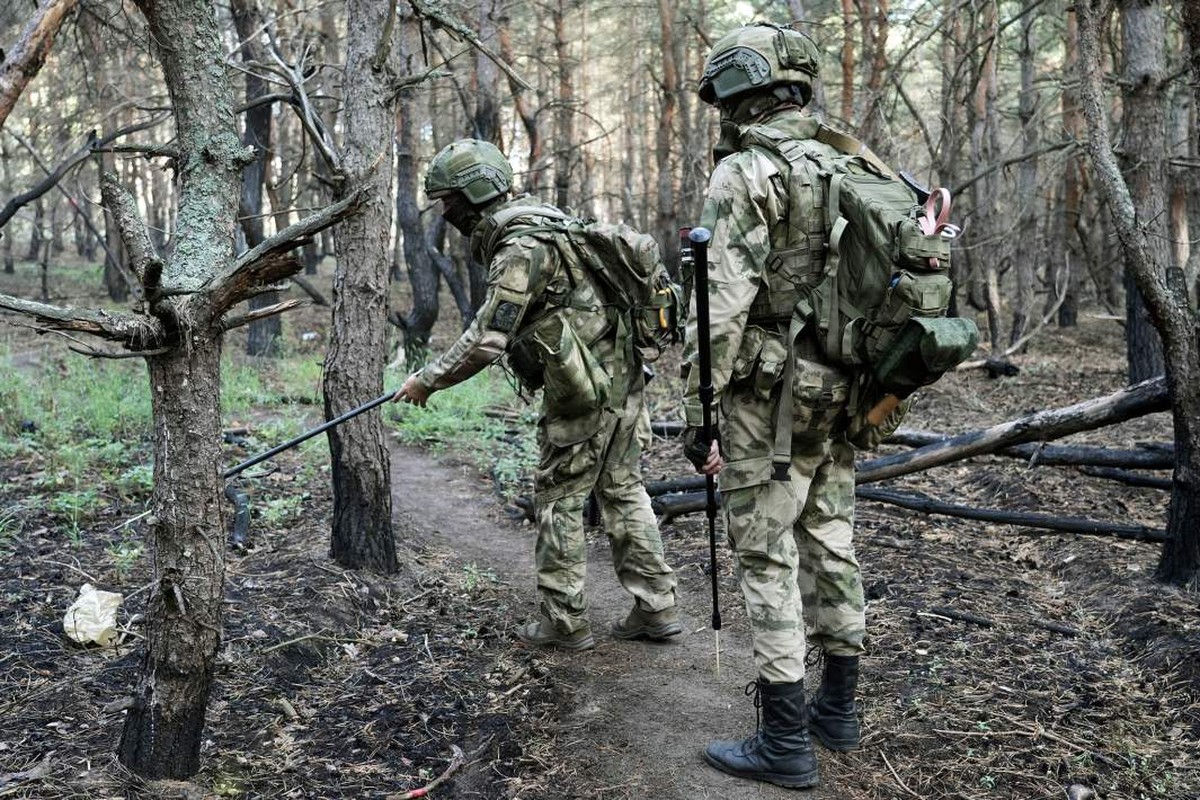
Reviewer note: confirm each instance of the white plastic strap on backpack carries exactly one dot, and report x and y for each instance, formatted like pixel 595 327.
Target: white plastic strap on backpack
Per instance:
pixel 833 265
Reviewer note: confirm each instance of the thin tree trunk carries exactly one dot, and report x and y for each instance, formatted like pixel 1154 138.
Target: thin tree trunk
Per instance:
pixel 263 335
pixel 1167 300
pixel 362 503
pixel 1025 254
pixel 667 218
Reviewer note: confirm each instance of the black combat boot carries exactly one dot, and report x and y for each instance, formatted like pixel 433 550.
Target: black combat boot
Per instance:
pixel 832 714
pixel 780 752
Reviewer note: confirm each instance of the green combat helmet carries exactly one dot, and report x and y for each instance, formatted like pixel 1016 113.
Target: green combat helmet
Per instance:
pixel 758 57
pixel 477 169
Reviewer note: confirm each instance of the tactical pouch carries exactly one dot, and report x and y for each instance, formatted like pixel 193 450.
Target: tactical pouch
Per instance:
pixel 910 294
pixel 820 394
pixel 574 381
pixel 922 351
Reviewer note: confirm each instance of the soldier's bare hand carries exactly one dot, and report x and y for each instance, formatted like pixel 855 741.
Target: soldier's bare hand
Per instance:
pixel 714 463
pixel 413 391
pixel 705 458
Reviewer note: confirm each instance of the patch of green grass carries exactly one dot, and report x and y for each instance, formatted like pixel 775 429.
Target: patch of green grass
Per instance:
pixel 456 419
pixel 248 383
pixel 69 399
pixel 278 510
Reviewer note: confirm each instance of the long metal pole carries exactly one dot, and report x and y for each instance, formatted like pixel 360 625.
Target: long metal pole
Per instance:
pixel 274 451
pixel 700 238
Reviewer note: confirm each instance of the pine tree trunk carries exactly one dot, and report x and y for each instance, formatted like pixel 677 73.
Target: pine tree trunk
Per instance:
pixel 164 729
pixel 263 335
pixel 362 503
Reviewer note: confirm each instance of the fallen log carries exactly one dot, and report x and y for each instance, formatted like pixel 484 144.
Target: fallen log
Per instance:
pixel 1040 454
pixel 1024 519
pixel 673 505
pixel 1129 478
pixel 1138 400
pixel 669 506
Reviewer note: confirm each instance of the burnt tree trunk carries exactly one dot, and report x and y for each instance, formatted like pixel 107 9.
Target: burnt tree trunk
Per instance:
pixel 262 335
pixel 164 729
pixel 1144 166
pixel 1135 401
pixel 362 503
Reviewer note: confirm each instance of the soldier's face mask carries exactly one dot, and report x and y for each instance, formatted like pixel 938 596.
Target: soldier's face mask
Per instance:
pixel 459 212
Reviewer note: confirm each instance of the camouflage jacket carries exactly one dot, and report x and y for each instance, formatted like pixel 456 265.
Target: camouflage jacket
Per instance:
pixel 527 281
pixel 747 211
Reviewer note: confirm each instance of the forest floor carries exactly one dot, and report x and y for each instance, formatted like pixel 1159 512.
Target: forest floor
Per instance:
pixel 1002 662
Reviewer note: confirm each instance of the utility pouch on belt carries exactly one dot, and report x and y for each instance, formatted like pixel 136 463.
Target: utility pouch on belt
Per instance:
pixel 573 380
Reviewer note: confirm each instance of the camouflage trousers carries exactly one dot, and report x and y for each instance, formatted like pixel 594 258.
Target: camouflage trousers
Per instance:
pixel 791 540
pixel 599 451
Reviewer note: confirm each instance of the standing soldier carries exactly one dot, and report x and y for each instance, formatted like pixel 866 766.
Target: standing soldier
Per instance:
pixel 548 319
pixel 788 501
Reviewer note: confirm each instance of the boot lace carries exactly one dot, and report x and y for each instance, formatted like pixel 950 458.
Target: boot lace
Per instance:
pixel 752 690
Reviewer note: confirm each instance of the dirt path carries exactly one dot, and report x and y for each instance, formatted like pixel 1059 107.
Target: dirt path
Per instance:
pixel 642 712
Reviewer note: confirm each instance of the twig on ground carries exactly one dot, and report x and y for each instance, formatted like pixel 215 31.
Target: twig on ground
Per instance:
pixel 457 760
pixel 899 782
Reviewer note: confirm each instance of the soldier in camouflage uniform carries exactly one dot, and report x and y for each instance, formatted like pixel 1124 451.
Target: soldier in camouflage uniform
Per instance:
pixel 549 321
pixel 789 520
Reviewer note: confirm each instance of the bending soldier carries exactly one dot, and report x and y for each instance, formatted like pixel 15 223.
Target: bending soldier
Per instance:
pixel 789 518
pixel 548 320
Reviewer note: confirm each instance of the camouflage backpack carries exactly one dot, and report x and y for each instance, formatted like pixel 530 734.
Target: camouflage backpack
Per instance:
pixel 879 289
pixel 626 265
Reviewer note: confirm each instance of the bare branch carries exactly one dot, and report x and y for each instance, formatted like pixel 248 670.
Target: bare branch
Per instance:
pixel 53 176
pixel 229 323
pixel 143 257
pixel 270 261
pixel 134 331
pixel 25 59
pixel 441 17
pixel 309 118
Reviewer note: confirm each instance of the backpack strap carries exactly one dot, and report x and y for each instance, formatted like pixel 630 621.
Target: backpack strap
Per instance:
pixel 847 144
pixel 506 216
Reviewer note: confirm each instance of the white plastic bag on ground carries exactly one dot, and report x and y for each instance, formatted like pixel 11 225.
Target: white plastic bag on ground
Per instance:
pixel 92 618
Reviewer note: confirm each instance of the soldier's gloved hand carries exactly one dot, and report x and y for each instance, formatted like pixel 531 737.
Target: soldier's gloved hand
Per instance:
pixel 700 452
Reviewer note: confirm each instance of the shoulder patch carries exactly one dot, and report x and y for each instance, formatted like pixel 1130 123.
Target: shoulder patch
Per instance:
pixel 505 316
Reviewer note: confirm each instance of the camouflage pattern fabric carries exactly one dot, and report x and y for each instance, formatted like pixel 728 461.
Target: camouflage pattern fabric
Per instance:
pixel 792 540
pixel 601 451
